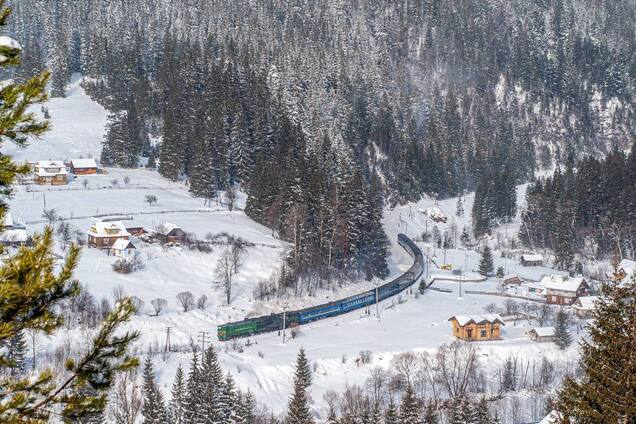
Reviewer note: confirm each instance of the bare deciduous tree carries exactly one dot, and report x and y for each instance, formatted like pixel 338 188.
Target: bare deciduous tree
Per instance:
pixel 202 302
pixel 406 364
pixel 224 273
pixel 186 300
pixel 456 366
pixel 158 305
pixel 230 197
pixel 127 400
pixel 51 215
pixel 138 304
pixel 118 293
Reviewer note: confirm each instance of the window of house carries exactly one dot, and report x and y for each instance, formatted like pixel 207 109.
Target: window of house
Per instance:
pixel 483 333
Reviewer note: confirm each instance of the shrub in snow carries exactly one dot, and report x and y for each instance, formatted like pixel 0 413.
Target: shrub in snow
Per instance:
pixel 364 357
pixel 261 354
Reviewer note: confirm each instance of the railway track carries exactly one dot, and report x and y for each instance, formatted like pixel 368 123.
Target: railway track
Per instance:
pixel 275 322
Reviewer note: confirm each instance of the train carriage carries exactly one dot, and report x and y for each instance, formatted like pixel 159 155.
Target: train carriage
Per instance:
pixel 274 322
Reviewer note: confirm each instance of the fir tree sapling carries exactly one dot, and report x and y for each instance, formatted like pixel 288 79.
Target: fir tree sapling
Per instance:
pixel 562 335
pixel 486 266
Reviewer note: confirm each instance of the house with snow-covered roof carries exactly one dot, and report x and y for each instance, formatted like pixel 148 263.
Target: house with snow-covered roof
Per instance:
pixel 541 334
pixel 103 234
pixel 528 259
pixel 13 233
pixel 123 248
pixel 563 289
pixel 50 172
pixel 477 327
pixel 584 306
pixel 171 233
pixel 83 166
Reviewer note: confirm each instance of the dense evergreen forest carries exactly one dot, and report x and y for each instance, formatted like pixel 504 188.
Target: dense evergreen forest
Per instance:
pixel 323 110
pixel 589 208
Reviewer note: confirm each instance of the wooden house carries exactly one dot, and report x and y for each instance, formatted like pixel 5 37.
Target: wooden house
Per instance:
pixel 564 290
pixel 509 280
pixel 47 172
pixel 136 231
pixel 584 306
pixel 541 334
pixel 171 233
pixel 83 166
pixel 477 327
pixel 13 233
pixel 531 260
pixel 123 248
pixel 104 234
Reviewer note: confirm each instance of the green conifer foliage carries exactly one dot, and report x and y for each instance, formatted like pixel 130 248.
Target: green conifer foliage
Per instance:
pixel 606 393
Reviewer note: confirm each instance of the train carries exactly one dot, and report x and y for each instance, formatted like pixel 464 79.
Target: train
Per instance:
pixel 274 322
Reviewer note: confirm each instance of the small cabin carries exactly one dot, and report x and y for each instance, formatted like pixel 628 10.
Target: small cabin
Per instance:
pixel 584 306
pixel 103 235
pixel 511 280
pixel 83 166
pixel 47 172
pixel 477 327
pixel 13 233
pixel 171 233
pixel 123 248
pixel 531 260
pixel 541 334
pixel 564 290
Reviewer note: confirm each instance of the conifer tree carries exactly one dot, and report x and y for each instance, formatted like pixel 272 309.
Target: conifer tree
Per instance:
pixel 409 408
pixel 211 385
pixel 391 413
pixel 482 413
pixel 562 336
pixel 486 265
pixel 153 409
pixel 430 414
pixel 606 393
pixel 16 351
pixel 177 411
pixel 33 285
pixel 298 411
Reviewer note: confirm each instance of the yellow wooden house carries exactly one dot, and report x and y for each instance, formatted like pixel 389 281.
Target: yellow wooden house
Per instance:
pixel 477 327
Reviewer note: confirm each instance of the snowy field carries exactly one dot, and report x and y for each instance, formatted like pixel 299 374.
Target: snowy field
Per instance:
pixel 418 323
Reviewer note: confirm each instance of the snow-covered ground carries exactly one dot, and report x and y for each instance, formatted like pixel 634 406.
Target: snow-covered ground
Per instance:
pixel 265 367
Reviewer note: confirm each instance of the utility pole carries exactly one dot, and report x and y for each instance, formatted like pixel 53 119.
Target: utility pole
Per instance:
pixel 202 338
pixel 377 301
pixel 168 348
pixel 285 306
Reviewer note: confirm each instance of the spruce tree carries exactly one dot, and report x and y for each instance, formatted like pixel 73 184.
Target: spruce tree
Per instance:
pixel 486 265
pixel 33 285
pixel 430 414
pixel 177 406
pixel 391 413
pixel 298 410
pixel 16 351
pixel 482 413
pixel 562 336
pixel 409 408
pixel 606 393
pixel 153 408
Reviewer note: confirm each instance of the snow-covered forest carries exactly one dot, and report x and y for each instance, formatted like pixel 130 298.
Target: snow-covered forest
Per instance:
pixel 416 97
